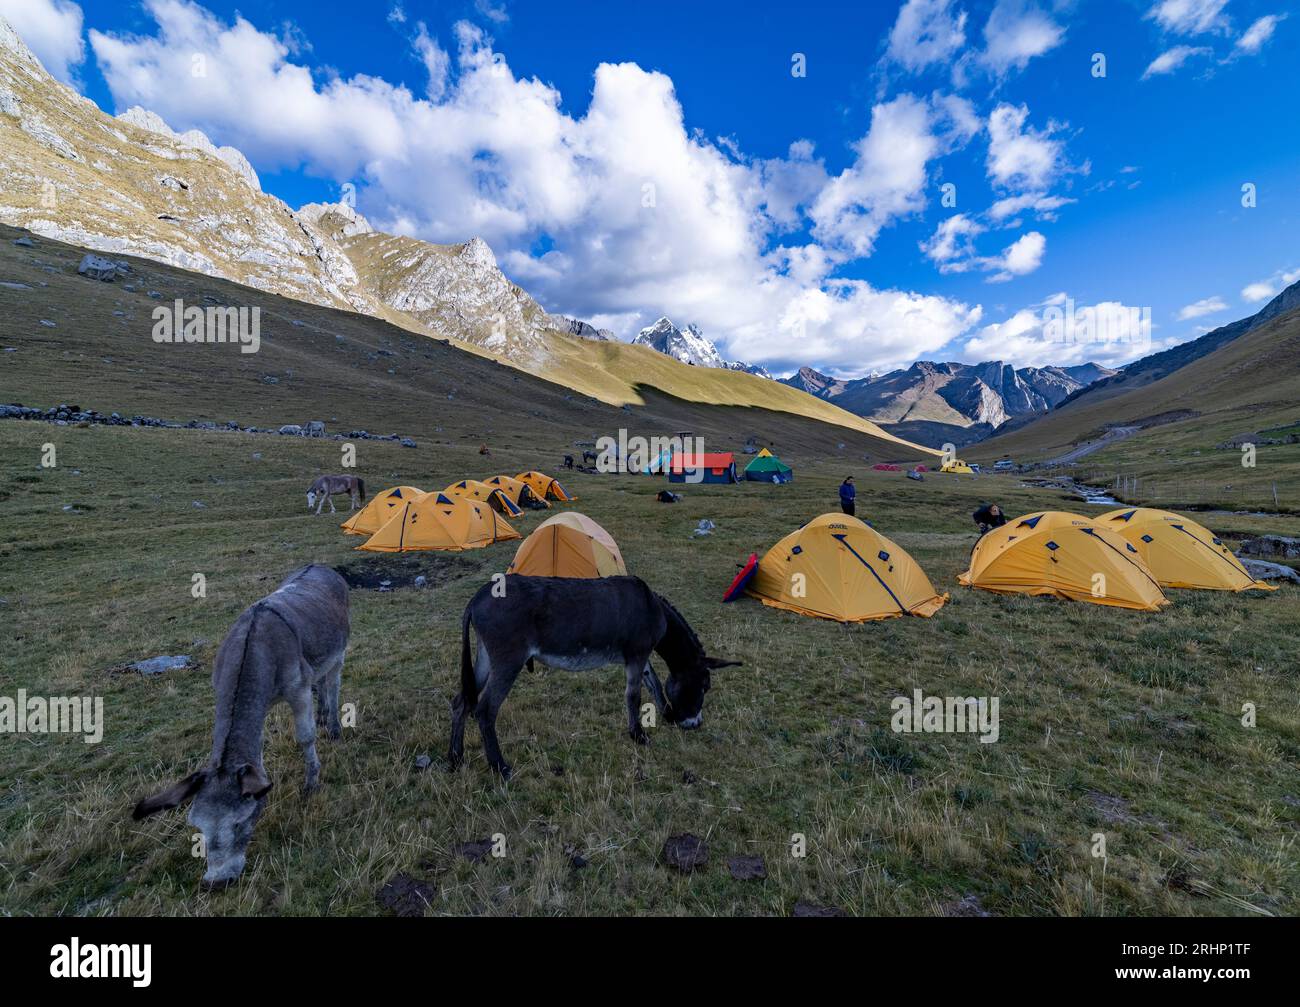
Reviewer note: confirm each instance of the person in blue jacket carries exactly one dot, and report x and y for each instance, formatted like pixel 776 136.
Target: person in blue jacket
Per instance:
pixel 848 493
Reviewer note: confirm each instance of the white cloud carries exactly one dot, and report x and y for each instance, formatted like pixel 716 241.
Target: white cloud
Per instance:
pixel 850 328
pixel 52 30
pixel 887 180
pixel 495 12
pixel 1205 306
pixel 1252 40
pixel 1016 32
pixel 1022 157
pixel 643 216
pixel 1170 60
pixel 1042 205
pixel 1263 290
pixel 1063 333
pixel 1190 17
pixel 397 15
pixel 952 249
pixel 437 63
pixel 951 244
pixel 1021 257
pixel 926 32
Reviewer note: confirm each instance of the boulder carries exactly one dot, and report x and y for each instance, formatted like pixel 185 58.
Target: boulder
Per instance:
pixel 291 430
pixel 1261 570
pixel 96 267
pixel 162 663
pixel 1272 545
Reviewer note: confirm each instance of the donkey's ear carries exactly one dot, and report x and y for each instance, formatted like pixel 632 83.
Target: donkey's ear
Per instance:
pixel 174 796
pixel 721 662
pixel 253 781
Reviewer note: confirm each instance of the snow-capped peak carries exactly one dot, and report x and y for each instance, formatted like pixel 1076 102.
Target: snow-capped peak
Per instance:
pixel 688 345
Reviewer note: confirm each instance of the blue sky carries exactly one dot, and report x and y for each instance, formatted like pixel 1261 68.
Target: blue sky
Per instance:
pixel 626 161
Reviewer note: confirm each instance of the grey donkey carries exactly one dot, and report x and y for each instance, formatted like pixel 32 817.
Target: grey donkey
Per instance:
pixel 286 647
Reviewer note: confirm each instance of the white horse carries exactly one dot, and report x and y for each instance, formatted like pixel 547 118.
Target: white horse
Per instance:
pixel 325 487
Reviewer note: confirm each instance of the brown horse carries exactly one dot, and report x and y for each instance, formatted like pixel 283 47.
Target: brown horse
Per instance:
pixel 325 487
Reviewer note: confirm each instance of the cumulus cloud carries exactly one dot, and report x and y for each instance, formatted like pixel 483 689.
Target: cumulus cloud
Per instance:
pixel 1264 290
pixel 927 32
pixel 1170 60
pixel 887 179
pixel 952 249
pixel 52 30
pixel 1020 258
pixel 1205 306
pixel 1253 39
pixel 1060 332
pixel 1021 157
pixel 639 214
pixel 850 328
pixel 951 246
pixel 1190 17
pixel 1016 32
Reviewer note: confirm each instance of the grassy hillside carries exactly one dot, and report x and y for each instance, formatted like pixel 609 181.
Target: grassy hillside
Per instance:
pixel 73 172
pixel 1248 388
pixel 358 372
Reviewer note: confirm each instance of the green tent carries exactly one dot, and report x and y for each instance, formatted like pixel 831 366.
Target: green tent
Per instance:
pixel 768 468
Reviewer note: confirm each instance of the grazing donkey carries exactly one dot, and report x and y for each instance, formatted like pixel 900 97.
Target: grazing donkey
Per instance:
pixel 325 487
pixel 285 647
pixel 578 625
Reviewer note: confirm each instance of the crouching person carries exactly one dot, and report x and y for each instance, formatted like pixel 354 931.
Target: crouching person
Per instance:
pixel 988 517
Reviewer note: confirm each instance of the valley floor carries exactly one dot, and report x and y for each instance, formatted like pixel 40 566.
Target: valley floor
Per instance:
pixel 1113 723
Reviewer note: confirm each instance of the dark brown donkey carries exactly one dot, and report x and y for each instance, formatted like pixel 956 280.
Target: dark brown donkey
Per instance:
pixel 577 625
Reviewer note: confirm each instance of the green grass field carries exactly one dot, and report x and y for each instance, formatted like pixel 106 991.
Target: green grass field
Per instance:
pixel 1112 722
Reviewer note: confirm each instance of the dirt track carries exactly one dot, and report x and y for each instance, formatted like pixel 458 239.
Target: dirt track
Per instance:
pixel 1110 437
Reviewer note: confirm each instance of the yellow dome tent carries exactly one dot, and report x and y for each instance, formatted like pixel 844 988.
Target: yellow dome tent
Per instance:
pixel 520 493
pixel 1179 552
pixel 837 567
pixel 544 486
pixel 958 466
pixel 1064 555
pixel 490 495
pixel 568 545
pixel 382 506
pixel 440 522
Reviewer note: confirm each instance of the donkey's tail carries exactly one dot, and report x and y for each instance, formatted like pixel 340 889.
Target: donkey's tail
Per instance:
pixel 361 489
pixel 468 683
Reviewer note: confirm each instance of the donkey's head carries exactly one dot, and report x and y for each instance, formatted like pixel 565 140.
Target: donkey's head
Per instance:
pixel 681 700
pixel 226 805
pixel 311 499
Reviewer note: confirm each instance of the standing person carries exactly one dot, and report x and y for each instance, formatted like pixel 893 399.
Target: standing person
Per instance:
pixel 848 494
